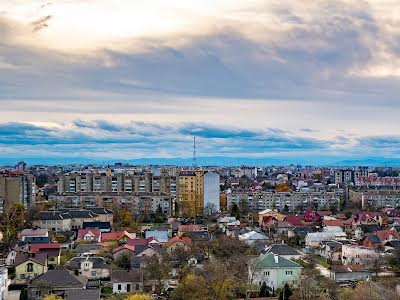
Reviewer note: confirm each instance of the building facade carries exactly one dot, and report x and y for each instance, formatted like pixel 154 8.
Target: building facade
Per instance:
pixel 16 188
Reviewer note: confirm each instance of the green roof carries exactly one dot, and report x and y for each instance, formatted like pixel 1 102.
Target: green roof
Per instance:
pixel 271 260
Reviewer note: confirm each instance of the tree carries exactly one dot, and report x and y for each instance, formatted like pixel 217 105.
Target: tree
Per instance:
pixel 138 297
pixel 308 288
pixel 264 292
pixel 210 209
pixel 179 258
pixel 285 293
pixel 235 211
pixel 243 207
pixel 123 261
pixel 157 268
pixel 24 294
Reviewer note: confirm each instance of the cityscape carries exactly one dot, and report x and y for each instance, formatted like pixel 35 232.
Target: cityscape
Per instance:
pixel 199 150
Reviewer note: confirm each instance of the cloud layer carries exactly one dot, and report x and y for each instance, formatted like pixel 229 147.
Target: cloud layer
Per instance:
pixel 249 78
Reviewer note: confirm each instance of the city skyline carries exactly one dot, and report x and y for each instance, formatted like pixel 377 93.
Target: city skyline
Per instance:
pixel 306 82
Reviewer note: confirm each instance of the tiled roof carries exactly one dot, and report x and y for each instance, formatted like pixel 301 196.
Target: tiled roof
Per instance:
pixel 271 260
pixel 22 257
pixel 282 249
pixel 384 234
pixel 34 232
pixel 84 294
pixel 57 277
pixel 294 220
pixel 333 223
pixel 125 276
pixel 98 262
pixel 96 233
pixel 39 247
pixel 115 235
pixel 124 247
pixel 176 239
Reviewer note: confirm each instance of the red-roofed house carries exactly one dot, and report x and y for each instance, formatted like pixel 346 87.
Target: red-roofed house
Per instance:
pixel 333 223
pixel 178 241
pixel 39 247
pixel 294 220
pixel 116 236
pixel 268 222
pixel 89 235
pixel 312 216
pixel 188 228
pixel 387 235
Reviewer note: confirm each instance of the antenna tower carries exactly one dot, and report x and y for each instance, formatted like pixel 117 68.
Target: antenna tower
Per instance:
pixel 194 162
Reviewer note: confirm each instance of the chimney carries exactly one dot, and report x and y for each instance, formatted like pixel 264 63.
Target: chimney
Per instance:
pixel 276 258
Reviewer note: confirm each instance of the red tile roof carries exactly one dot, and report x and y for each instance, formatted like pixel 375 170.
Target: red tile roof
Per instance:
pixel 115 236
pixel 124 247
pixel 83 232
pixel 294 220
pixel 177 239
pixel 384 234
pixel 333 223
pixel 39 247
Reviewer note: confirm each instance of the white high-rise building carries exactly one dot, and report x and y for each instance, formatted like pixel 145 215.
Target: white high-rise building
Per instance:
pixel 211 190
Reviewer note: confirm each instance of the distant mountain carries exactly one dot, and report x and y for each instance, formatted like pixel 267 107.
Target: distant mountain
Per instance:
pixel 210 161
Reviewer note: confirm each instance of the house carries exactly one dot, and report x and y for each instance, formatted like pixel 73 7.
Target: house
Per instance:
pixel 331 250
pixel 336 223
pixel 313 239
pixel 57 281
pixel 300 233
pixel 267 223
pixel 123 250
pixel 117 236
pixel 52 252
pixel 88 248
pixel 346 273
pixel 294 220
pixel 371 241
pixel 34 240
pixel 392 245
pixel 103 226
pixel 53 220
pixel 311 216
pixel 83 294
pixel 178 241
pixel 4 283
pixel 283 250
pixel 89 235
pixel 159 235
pixel 127 281
pixel 184 229
pixel 33 233
pixel 104 215
pixel 357 255
pixel 269 212
pixel 227 221
pixel 92 267
pixel 276 271
pixel 29 266
pixel 365 229
pixel 253 237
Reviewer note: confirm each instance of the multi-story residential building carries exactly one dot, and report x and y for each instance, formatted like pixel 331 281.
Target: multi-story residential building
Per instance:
pixel 16 187
pixel 344 176
pixel 197 190
pixel 113 182
pixel 376 198
pixel 357 255
pixel 137 202
pixel 190 192
pixel 297 200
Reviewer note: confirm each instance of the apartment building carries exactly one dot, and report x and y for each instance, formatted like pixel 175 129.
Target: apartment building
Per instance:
pixel 377 198
pixel 197 190
pixel 293 201
pixel 114 182
pixel 16 187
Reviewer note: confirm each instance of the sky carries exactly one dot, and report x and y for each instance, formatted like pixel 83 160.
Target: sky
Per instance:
pixel 309 81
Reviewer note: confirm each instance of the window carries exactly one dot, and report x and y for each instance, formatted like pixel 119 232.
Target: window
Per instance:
pixel 29 267
pixel 137 286
pixel 266 273
pixel 119 287
pixel 289 273
pixel 93 273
